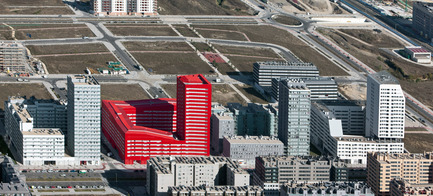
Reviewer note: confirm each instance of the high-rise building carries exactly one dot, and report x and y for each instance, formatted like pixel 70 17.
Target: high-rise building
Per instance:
pixel 215 190
pixel 222 124
pixel 165 172
pixel 124 7
pixel 84 119
pixel 385 109
pixel 294 117
pixel 322 88
pixel 142 129
pixel 383 167
pixel 263 72
pixel 13 57
pixel 422 20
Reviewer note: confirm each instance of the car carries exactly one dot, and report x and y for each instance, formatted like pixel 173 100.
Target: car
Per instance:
pixel 59 187
pixel 50 171
pixel 69 187
pixel 63 175
pixel 53 187
pixel 24 171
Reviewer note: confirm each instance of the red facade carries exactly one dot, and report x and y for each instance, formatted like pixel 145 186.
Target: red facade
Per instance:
pixel 142 129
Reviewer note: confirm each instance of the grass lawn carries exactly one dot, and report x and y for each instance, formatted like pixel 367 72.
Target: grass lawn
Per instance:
pixel 418 142
pixel 66 49
pixel 53 190
pixel 260 33
pixel 287 20
pixel 251 93
pixel 89 190
pixel 204 7
pixel 157 46
pixel 22 89
pixel 185 31
pixel 221 93
pixel 123 92
pixel 141 30
pixel 6 7
pixel 415 129
pixel 75 64
pixel 173 63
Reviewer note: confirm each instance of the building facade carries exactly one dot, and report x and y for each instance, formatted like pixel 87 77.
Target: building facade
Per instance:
pixel 124 7
pixel 84 119
pixel 385 109
pixel 263 72
pixel 422 20
pixel 165 172
pixel 326 188
pixel 13 57
pixel 383 167
pixel 11 181
pixel 142 129
pixel 222 124
pixel 294 117
pixel 322 88
pixel 215 190
pixel 418 54
pixel 245 149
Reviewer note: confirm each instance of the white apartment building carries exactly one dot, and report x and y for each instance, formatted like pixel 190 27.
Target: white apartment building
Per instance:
pixel 245 149
pixel 385 109
pixel 125 7
pixel 30 145
pixel 165 172
pixel 327 136
pixel 84 119
pixel 13 57
pixel 294 117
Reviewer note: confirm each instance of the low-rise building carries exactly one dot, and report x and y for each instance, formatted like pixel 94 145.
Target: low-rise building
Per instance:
pixel 245 149
pixel 263 72
pixel 326 188
pixel 284 169
pixel 327 136
pixel 215 190
pixel 383 167
pixel 13 57
pixel 400 187
pixel 164 172
pixel 418 54
pixel 322 88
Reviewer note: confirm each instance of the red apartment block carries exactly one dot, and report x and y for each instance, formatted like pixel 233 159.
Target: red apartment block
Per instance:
pixel 142 129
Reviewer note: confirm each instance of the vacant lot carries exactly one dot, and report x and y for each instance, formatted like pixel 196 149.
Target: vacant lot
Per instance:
pixel 221 34
pixel 66 49
pixel 202 7
pixel 75 64
pixel 157 46
pixel 185 31
pixel 141 30
pixel 249 51
pixel 251 93
pixel 221 93
pixel 423 91
pixel 34 7
pixel 32 3
pixel 172 63
pixel 287 20
pixel 260 33
pixel 245 63
pixel 19 89
pixel 45 31
pixel 117 92
pixel 202 47
pixel 418 142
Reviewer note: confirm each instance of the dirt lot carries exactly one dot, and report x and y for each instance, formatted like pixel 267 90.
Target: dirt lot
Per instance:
pixel 66 49
pixel 260 33
pixel 287 20
pixel 75 64
pixel 173 63
pixel 141 30
pixel 117 92
pixel 215 34
pixel 418 142
pixel 43 31
pixel 250 51
pixel 354 91
pixel 157 46
pixel 6 7
pixel 185 31
pixel 32 3
pixel 221 93
pixel 423 91
pixel 202 47
pixel 245 64
pixel 204 7
pixel 251 93
pixel 8 89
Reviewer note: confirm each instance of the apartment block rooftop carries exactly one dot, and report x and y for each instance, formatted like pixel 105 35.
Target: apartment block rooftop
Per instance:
pixel 274 161
pixel 384 77
pixel 22 113
pixel 84 80
pixel 387 157
pixel 215 188
pixel 296 84
pixel 276 64
pixel 252 139
pixel 328 188
pixel 356 138
pixel 43 131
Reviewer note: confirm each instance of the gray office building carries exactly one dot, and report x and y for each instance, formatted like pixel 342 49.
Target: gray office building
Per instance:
pixel 322 88
pixel 422 20
pixel 84 119
pixel 263 72
pixel 294 117
pixel 221 124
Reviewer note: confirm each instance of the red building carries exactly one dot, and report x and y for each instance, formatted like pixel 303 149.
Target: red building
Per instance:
pixel 142 129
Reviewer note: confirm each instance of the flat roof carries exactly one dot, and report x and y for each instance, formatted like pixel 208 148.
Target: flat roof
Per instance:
pixel 418 49
pixel 43 131
pixel 194 79
pixel 22 113
pixel 84 80
pixel 385 77
pixel 252 140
